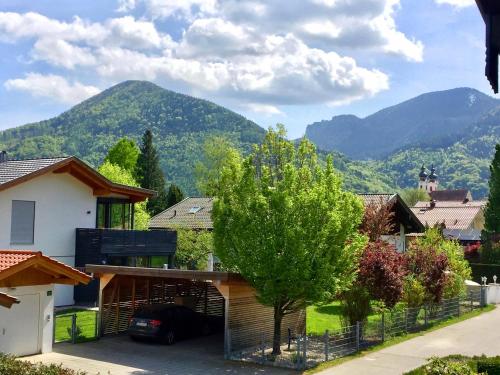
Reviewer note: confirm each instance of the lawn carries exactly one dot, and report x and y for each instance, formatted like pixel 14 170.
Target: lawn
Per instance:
pixel 85 321
pixel 326 317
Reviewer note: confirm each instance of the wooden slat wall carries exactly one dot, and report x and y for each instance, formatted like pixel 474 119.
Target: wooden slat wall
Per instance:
pixel 250 322
pixel 126 294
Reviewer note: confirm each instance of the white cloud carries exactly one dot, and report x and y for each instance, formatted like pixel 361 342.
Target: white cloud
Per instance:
pixel 53 87
pixel 254 51
pixel 457 3
pixel 269 110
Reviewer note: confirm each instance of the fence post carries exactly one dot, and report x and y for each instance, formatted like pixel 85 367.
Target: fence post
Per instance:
pixel 96 327
pixel 227 344
pixel 358 333
pixel 406 320
pixel 54 317
pixel 426 316
pixel 484 291
pixel 304 348
pixel 262 349
pixel 327 339
pixel 289 338
pixel 458 306
pixel 73 328
pixel 471 301
pixel 383 327
pixel 299 358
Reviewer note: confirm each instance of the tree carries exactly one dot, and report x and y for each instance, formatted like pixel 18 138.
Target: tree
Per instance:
pixel 149 174
pixel 378 219
pixel 218 153
pixel 193 248
pixel 492 210
pixel 122 176
pixel 381 271
pixel 174 195
pixel 287 226
pixel 124 154
pixel 412 196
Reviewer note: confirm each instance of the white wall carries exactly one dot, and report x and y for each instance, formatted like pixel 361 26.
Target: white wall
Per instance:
pixel 46 313
pixel 62 203
pixel 398 240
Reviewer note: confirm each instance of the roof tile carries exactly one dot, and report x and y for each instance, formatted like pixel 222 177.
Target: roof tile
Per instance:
pixel 14 169
pixel 179 215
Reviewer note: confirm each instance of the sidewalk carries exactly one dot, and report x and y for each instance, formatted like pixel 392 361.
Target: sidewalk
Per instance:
pixel 475 336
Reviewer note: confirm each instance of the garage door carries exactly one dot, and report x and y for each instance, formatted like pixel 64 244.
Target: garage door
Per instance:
pixel 19 326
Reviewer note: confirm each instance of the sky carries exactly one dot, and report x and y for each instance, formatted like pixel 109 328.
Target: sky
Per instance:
pixel 292 62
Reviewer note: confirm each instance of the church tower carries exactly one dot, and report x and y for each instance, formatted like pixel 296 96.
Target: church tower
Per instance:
pixel 422 179
pixel 432 180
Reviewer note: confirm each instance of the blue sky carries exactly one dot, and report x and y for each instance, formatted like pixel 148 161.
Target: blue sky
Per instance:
pixel 293 62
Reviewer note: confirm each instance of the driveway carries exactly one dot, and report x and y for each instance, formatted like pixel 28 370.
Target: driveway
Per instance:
pixel 119 355
pixel 476 336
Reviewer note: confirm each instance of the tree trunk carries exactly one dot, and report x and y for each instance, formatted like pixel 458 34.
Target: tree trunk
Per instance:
pixel 278 317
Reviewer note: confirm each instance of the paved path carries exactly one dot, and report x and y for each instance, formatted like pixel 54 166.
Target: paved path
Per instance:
pixel 476 336
pixel 120 356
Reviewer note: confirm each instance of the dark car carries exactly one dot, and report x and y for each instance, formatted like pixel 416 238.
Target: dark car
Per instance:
pixel 168 323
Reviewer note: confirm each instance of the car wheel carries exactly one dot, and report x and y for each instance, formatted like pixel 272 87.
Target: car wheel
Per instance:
pixel 169 338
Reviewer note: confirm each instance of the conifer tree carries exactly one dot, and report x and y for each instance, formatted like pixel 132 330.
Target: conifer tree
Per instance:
pixel 492 211
pixel 149 174
pixel 174 195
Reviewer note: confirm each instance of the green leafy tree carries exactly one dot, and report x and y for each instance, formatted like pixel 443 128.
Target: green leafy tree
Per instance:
pixel 218 153
pixel 287 226
pixel 174 195
pixel 149 174
pixel 124 153
pixel 122 176
pixel 193 248
pixel 412 196
pixel 492 211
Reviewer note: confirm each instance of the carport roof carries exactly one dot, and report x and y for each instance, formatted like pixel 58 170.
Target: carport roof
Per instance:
pixel 164 273
pixel 7 301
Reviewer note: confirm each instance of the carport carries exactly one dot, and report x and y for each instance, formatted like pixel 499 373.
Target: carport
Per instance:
pixel 246 322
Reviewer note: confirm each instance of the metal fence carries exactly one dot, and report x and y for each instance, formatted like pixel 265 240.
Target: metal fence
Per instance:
pixel 302 351
pixel 77 326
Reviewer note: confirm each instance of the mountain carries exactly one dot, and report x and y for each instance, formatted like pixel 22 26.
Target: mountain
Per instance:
pixel 425 119
pixel 180 124
pixel 462 160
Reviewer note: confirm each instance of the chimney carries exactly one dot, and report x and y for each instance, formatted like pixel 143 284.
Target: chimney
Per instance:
pixel 3 156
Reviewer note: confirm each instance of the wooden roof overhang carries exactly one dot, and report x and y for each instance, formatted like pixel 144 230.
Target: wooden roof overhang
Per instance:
pixel 490 11
pixel 7 301
pixel 101 185
pixel 38 269
pixel 193 275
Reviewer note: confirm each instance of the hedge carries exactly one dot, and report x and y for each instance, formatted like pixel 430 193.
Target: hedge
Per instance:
pixel 9 365
pixel 458 365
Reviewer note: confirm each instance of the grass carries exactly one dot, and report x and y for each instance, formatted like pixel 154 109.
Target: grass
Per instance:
pixel 400 339
pixel 326 317
pixel 85 322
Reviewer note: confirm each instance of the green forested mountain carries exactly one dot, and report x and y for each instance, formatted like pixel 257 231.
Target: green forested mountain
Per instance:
pixel 426 118
pixel 462 160
pixel 179 123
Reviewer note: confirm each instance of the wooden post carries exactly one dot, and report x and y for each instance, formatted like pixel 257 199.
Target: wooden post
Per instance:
pixel 73 328
pixel 117 309
pixel 358 333
pixel 133 295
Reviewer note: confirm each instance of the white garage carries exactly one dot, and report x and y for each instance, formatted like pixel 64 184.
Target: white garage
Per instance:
pixel 27 280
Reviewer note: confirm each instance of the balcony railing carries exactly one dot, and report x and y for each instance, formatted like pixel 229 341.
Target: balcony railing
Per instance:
pixel 95 245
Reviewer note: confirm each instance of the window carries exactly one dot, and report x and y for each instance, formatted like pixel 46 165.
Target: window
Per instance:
pixel 194 209
pixel 22 223
pixel 114 213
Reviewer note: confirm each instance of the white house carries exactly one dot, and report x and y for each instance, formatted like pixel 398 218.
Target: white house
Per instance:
pixel 44 201
pixel 27 280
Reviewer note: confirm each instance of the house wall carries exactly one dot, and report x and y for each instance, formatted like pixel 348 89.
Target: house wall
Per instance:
pixel 398 240
pixel 45 313
pixel 63 204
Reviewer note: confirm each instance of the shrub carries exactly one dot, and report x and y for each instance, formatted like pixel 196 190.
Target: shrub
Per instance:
pixel 355 304
pixel 381 271
pixel 440 366
pixel 10 366
pixel 490 366
pixel 413 291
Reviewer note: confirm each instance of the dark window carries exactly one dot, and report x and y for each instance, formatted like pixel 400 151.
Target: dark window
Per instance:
pixel 22 224
pixel 114 214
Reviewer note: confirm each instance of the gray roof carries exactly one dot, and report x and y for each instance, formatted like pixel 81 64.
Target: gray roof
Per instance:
pixel 13 169
pixel 192 213
pixel 376 198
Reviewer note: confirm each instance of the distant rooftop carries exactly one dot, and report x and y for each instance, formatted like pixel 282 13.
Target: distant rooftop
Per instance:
pixel 13 169
pixel 458 195
pixel 192 213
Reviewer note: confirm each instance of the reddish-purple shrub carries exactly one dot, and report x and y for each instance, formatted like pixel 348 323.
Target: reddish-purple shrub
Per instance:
pixel 429 266
pixel 381 271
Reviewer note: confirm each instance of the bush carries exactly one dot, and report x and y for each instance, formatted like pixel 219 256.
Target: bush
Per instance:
pixel 445 366
pixel 10 366
pixel 355 304
pixel 490 366
pixel 413 292
pixel 381 271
